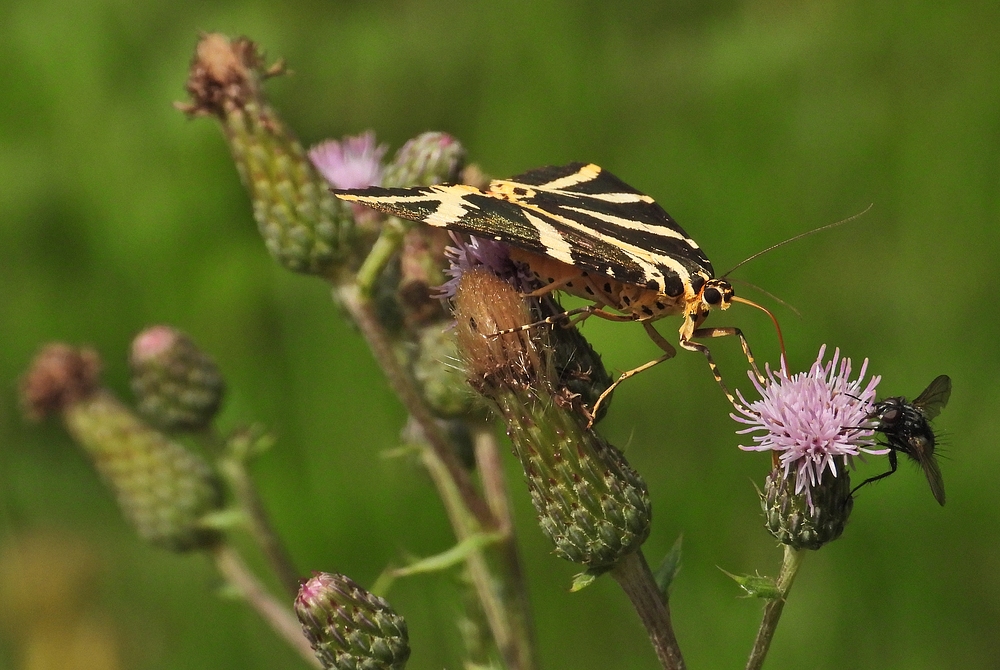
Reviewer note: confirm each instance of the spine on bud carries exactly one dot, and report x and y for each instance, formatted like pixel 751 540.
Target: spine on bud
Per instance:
pixel 592 505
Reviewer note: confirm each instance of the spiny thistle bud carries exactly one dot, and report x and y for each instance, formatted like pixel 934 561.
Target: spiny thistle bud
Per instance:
pixel 590 503
pixel 348 627
pixel 799 523
pixel 178 386
pixel 304 227
pixel 162 488
pixel 429 158
pixel 437 369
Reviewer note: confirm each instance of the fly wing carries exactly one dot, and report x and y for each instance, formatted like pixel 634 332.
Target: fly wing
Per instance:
pixel 934 398
pixel 934 478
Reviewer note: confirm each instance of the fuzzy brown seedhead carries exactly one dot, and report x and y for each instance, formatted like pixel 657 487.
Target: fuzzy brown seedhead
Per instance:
pixel 225 74
pixel 484 306
pixel 59 376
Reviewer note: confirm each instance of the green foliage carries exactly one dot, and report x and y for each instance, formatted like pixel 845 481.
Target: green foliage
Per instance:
pixel 749 122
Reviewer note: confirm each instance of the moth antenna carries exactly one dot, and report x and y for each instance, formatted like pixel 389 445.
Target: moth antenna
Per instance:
pixel 799 237
pixel 770 295
pixel 774 320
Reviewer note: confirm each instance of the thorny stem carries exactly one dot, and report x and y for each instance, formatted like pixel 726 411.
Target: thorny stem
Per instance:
pixel 634 576
pixel 772 611
pixel 278 616
pixel 363 313
pixel 235 472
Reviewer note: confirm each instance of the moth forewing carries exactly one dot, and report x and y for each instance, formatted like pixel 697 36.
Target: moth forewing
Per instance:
pixel 581 230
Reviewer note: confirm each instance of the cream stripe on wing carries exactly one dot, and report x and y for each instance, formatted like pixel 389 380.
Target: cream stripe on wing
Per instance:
pixel 632 224
pixel 555 244
pixel 581 176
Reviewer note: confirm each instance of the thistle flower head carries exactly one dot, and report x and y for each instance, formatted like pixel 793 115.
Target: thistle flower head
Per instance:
pixel 429 158
pixel 590 502
pixel 178 386
pixel 481 253
pixel 812 420
pixel 353 162
pixel 350 628
pixel 59 376
pixel 162 488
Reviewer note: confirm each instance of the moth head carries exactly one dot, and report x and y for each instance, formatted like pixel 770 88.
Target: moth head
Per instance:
pixel 716 294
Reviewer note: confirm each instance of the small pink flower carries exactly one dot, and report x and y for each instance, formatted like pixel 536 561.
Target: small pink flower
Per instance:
pixel 353 162
pixel 812 418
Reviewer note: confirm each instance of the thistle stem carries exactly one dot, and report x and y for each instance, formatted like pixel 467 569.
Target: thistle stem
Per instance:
pixel 363 313
pixel 235 472
pixel 493 587
pixel 277 615
pixel 517 609
pixel 636 579
pixel 388 243
pixel 772 610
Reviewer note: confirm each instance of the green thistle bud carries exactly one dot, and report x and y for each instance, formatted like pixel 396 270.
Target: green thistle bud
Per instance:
pixel 178 386
pixel 592 505
pixel 435 369
pixel 304 227
pixel 794 521
pixel 348 627
pixel 162 488
pixel 429 158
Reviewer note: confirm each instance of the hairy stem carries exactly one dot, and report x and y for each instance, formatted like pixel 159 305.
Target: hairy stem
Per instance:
pixel 772 611
pixel 507 625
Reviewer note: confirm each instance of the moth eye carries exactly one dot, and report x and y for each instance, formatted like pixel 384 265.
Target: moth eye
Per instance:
pixel 712 296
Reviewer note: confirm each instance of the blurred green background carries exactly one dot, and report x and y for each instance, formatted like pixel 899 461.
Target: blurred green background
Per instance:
pixel 749 121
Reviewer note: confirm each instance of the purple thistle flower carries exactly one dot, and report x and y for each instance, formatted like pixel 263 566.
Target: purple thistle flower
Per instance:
pixel 812 418
pixel 353 162
pixel 481 253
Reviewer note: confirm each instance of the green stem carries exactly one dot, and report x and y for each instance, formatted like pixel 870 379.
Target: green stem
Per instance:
pixel 388 243
pixel 772 611
pixel 277 615
pixel 363 313
pixel 514 646
pixel 636 579
pixel 518 608
pixel 235 472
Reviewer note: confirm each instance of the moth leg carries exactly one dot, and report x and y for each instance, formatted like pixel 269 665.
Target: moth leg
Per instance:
pixel 698 346
pixel 726 332
pixel 583 313
pixel 669 352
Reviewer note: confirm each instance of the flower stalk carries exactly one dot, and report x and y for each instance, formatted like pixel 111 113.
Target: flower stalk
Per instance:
pixel 276 613
pixel 772 610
